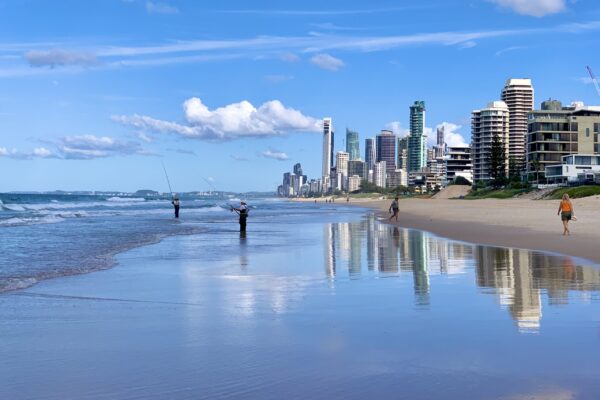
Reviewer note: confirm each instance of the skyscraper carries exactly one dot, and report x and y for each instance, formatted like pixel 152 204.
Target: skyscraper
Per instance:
pixel 402 162
pixel 440 147
pixel 386 149
pixel 485 125
pixel 297 169
pixel 518 96
pixel 341 163
pixel 327 147
pixel 417 141
pixel 352 147
pixel 370 154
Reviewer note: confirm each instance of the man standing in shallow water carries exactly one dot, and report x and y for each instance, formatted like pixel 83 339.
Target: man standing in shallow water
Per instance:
pixel 176 205
pixel 243 213
pixel 394 207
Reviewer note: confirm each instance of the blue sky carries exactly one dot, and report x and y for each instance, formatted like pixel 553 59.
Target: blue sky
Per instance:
pixel 96 94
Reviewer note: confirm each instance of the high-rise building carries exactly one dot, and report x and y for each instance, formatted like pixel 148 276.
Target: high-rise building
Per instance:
pixel 402 162
pixel 556 131
pixel 359 168
pixel 518 96
pixel 485 125
pixel 352 147
pixel 458 163
pixel 341 167
pixel 327 146
pixel 297 169
pixel 341 162
pixel 440 147
pixel 379 174
pixel 386 149
pixel 370 153
pixel 417 141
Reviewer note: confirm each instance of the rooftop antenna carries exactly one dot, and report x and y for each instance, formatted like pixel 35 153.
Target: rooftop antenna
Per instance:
pixel 594 80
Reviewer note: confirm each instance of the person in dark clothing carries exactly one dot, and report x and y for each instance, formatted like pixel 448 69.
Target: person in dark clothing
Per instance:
pixel 243 213
pixel 176 205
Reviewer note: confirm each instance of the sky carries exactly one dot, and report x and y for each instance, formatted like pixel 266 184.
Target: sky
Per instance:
pixel 100 94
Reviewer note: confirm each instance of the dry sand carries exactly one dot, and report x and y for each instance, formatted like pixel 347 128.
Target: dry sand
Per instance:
pixel 519 223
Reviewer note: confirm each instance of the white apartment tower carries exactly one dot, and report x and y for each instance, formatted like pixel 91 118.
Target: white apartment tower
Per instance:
pixel 485 124
pixel 327 151
pixel 518 96
pixel 341 167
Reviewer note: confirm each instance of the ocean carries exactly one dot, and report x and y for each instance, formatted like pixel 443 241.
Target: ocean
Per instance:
pixel 51 235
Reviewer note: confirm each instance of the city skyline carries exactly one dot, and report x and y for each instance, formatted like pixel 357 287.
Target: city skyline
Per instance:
pixel 96 96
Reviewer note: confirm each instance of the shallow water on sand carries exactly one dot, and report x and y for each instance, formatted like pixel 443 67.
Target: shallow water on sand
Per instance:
pixel 333 306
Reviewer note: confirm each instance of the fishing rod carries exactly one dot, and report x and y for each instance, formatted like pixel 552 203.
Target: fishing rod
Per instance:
pixel 167 176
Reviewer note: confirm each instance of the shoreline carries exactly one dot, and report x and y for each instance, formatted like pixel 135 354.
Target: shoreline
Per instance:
pixel 517 223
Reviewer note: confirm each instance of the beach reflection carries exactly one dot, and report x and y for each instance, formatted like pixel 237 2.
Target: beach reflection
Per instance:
pixel 518 278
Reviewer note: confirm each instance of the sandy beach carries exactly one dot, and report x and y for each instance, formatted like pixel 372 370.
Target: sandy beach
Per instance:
pixel 518 223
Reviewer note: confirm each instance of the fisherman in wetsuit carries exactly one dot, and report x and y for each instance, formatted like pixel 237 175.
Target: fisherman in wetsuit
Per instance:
pixel 243 213
pixel 176 204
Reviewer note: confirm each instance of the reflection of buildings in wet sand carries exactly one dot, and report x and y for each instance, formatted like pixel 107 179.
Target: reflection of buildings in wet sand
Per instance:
pixel 329 250
pixel 356 244
pixel 519 276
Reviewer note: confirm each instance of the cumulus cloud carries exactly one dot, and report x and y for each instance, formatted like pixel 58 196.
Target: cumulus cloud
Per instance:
pixel 326 61
pixel 396 127
pixel 59 58
pixel 534 8
pixel 230 122
pixel 160 8
pixel 451 137
pixel 274 154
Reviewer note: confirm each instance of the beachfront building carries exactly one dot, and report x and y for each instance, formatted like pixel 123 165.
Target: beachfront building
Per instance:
pixel 379 174
pixel 518 96
pixel 370 153
pixel 556 131
pixel 417 141
pixel 575 168
pixel 328 141
pixel 487 123
pixel 341 165
pixel 352 147
pixel 386 149
pixel 358 168
pixel 440 148
pixel 402 161
pixel 354 183
pixel 458 163
pixel 397 178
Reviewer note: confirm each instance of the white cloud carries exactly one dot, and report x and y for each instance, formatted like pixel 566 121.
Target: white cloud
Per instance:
pixel 274 154
pixel 451 137
pixel 230 122
pixel 396 127
pixel 534 8
pixel 467 45
pixel 160 8
pixel 289 57
pixel 38 152
pixel 511 48
pixel 91 146
pixel 58 57
pixel 183 151
pixel 326 61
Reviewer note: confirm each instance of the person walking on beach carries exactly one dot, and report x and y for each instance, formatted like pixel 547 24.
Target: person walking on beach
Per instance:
pixel 176 205
pixel 242 211
pixel 566 212
pixel 394 207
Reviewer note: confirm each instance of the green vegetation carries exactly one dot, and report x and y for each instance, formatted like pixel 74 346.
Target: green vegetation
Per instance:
pixel 575 192
pixel 459 180
pixel 491 193
pixel 368 187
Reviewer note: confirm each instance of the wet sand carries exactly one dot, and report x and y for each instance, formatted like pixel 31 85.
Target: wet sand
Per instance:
pixel 519 223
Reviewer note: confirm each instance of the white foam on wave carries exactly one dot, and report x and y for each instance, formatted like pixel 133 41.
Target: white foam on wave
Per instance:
pixel 33 220
pixel 126 199
pixel 13 207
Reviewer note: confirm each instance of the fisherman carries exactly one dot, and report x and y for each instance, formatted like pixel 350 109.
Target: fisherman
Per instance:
pixel 243 213
pixel 176 205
